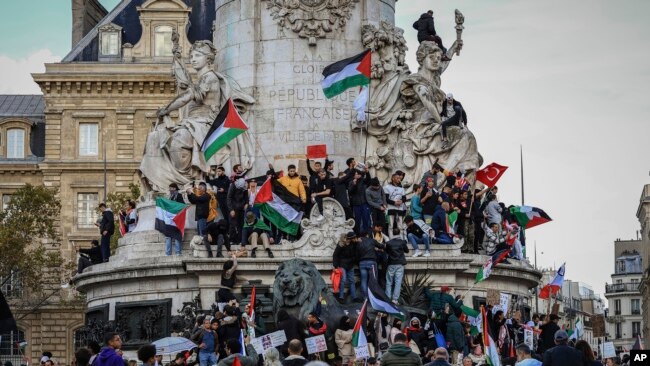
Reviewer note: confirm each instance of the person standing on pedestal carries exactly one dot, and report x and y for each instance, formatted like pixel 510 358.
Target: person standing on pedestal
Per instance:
pixel 238 204
pixel 202 201
pixel 220 184
pixel 377 202
pixel 176 196
pixel 106 229
pixel 357 193
pixel 395 197
pixel 322 187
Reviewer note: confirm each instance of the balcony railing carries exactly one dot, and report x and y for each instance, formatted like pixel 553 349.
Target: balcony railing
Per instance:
pixel 621 287
pixel 636 311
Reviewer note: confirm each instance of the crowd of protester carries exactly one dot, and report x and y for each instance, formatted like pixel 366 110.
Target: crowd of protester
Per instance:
pixel 222 336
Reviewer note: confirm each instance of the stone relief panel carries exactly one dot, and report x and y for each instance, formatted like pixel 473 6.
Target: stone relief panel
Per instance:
pixel 311 19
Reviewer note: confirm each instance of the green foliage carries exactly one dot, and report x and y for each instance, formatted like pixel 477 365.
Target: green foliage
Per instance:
pixel 29 239
pixel 412 293
pixel 117 202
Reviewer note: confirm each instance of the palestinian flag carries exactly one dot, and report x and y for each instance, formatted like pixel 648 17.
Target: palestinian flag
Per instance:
pixel 450 222
pixel 358 335
pixel 528 216
pixel 379 301
pixel 170 217
pixel 489 347
pixel 279 206
pixel 496 258
pixel 474 318
pixel 224 129
pixel 345 74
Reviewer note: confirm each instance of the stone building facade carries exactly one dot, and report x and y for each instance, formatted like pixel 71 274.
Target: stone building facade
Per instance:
pixel 643 214
pixel 624 321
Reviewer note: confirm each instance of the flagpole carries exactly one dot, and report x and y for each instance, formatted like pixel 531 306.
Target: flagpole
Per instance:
pixel 521 160
pixel 365 152
pixel 466 292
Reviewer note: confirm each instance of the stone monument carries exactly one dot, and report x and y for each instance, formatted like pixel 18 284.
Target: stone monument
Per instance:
pixel 275 50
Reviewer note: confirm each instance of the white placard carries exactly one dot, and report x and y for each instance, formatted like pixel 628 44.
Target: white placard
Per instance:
pixel 362 352
pixel 262 343
pixel 609 350
pixel 316 344
pixel 528 338
pixel 505 303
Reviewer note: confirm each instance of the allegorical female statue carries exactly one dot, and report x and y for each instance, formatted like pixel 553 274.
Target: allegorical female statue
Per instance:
pixel 419 143
pixel 172 151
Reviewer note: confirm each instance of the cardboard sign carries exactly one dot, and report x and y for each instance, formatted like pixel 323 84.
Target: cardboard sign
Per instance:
pixel 609 350
pixel 493 297
pixel 316 151
pixel 271 340
pixel 598 325
pixel 316 344
pixel 528 338
pixel 556 309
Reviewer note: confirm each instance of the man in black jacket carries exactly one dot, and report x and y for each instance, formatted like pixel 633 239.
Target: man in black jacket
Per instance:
pixel 360 209
pixel 453 114
pixel 343 258
pixel 202 202
pixel 547 338
pixel 106 229
pixel 321 188
pixel 395 250
pixel 340 185
pixel 427 31
pixel 220 184
pixel 90 256
pixel 237 204
pixel 562 354
pixel 367 259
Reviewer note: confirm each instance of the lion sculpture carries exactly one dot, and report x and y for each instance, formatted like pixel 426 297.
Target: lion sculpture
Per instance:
pixel 298 287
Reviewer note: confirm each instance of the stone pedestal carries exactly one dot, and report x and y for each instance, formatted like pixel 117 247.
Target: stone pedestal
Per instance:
pixel 278 56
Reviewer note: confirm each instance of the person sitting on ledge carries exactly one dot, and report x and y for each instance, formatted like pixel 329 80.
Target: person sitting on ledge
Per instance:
pixel 418 232
pixel 214 230
pixel 89 257
pixel 439 224
pixel 255 230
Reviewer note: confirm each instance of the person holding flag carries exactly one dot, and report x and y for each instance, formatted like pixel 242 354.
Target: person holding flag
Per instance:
pixel 235 356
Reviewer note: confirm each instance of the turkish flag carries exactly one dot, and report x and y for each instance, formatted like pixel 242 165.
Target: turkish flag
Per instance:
pixel 491 174
pixel 316 151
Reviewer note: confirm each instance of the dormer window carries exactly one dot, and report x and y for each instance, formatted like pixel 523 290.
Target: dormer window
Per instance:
pixel 163 41
pixel 110 42
pixel 16 143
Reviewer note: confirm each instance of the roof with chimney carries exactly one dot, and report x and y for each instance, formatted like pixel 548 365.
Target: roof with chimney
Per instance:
pixel 126 15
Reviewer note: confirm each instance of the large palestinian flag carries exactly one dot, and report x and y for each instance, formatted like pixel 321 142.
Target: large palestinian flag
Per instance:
pixel 345 74
pixel 170 217
pixel 489 346
pixel 279 206
pixel 224 129
pixel 528 216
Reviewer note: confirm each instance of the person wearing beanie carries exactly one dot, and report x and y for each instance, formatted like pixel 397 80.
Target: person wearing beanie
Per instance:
pixel 562 354
pixel 438 299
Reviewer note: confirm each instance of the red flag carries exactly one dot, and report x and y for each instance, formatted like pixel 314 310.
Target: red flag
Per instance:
pixel 316 151
pixel 122 225
pixel 251 309
pixel 236 362
pixel 512 349
pixel 491 174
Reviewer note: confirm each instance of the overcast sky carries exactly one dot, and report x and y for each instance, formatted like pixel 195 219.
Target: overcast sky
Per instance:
pixel 568 80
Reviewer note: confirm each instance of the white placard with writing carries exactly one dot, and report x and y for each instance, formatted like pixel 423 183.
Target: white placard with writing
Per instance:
pixel 609 350
pixel 362 352
pixel 264 342
pixel 505 303
pixel 316 344
pixel 528 338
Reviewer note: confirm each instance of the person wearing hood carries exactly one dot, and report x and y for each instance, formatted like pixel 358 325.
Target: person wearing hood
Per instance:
pixel 229 327
pixel 400 354
pixel 415 333
pixel 108 356
pixel 427 31
pixel 106 229
pixel 233 350
pixel 343 339
pixel 455 335
pixel 237 201
pixel 293 329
